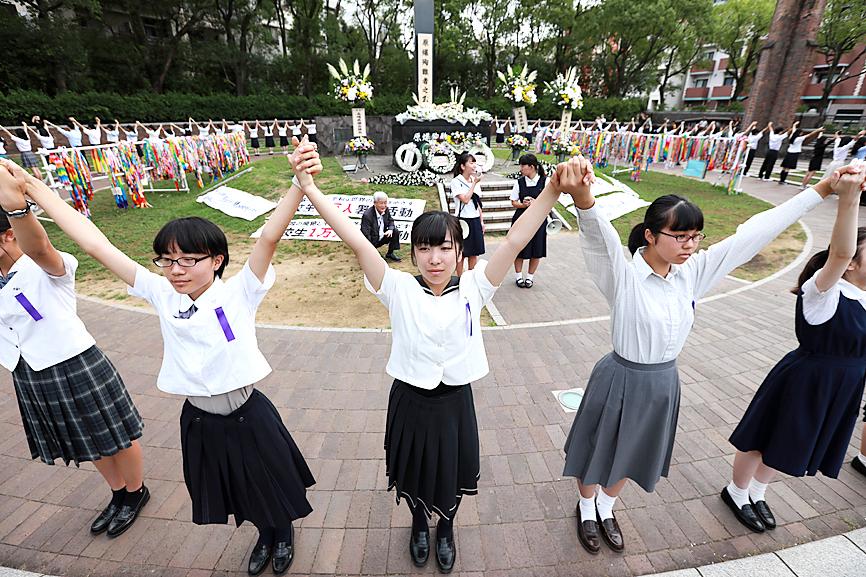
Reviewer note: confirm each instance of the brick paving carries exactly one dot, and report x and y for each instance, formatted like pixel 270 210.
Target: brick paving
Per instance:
pixel 331 390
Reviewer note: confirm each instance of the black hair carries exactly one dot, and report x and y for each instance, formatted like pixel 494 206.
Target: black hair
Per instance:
pixel 756 131
pixel 193 234
pixel 796 134
pixel 529 159
pixel 22 134
pixel 845 140
pixel 819 259
pixel 462 159
pixel 4 223
pixel 431 229
pixel 858 145
pixel 675 212
pixel 39 125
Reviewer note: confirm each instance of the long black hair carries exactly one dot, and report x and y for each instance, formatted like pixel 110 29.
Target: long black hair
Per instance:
pixel 672 211
pixel 530 159
pixel 462 159
pixel 193 234
pixel 432 228
pixel 819 259
pixel 858 145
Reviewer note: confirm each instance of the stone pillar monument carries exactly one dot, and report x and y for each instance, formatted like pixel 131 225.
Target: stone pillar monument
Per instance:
pixel 785 63
pixel 424 49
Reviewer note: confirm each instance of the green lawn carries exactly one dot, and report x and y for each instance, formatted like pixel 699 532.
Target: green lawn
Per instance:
pixel 133 230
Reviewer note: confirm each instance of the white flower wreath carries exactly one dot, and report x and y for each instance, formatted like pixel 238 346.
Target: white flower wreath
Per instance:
pixel 439 157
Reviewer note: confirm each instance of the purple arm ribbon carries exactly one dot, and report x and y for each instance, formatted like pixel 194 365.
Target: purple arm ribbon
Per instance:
pixel 224 323
pixel 469 318
pixel 28 306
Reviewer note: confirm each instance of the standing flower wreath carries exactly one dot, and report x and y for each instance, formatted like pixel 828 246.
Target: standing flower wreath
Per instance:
pixel 518 143
pixel 352 86
pixel 519 85
pixel 565 90
pixel 360 145
pixel 439 156
pixel 563 147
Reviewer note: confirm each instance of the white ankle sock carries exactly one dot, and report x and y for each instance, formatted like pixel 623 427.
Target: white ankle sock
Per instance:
pixel 529 276
pixel 587 509
pixel 605 503
pixel 862 458
pixel 757 490
pixel 518 275
pixel 740 496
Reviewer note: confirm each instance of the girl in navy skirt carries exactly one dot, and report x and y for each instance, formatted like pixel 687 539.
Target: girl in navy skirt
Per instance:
pixel 802 416
pixel 627 422
pixel 238 457
pixel 73 403
pixel 525 191
pixel 431 434
pixel 468 207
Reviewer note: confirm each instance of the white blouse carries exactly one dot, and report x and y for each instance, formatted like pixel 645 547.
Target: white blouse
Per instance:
pixel 515 190
pixel 46 142
pixel 215 350
pixel 776 140
pixel 436 339
pixel 651 315
pixel 754 139
pixel 796 145
pixel 73 135
pixel 459 185
pixel 819 307
pixel 841 152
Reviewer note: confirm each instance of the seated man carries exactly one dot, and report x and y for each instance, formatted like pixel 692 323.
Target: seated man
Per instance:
pixel 378 226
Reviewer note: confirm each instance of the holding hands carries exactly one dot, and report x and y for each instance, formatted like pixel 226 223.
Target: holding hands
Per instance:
pixel 849 181
pixel 305 161
pixel 575 177
pixel 13 185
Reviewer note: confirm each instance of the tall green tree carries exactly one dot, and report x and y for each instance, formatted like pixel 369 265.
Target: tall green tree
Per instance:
pixel 842 32
pixel 738 29
pixel 686 43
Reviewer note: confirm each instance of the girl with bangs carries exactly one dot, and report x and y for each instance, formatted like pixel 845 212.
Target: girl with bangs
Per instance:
pixel 626 423
pixel 238 457
pixel 431 435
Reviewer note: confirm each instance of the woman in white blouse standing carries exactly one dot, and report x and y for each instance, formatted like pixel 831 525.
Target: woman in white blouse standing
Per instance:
pixel 468 208
pixel 795 147
pixel 523 194
pixel 626 423
pixel 431 434
pixel 773 147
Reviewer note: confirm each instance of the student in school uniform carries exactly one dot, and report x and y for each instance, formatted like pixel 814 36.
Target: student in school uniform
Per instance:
pixel 254 136
pixel 753 139
pixel 46 141
pixel 238 457
pixel 296 129
pixel 312 131
pixel 773 146
pixel 842 146
pixel 25 149
pixel 283 131
pixel 524 192
pixel 500 130
pixel 818 151
pixel 468 207
pixel 431 433
pixel 73 135
pixel 268 130
pixel 626 424
pixel 73 403
pixel 801 418
pixel 795 147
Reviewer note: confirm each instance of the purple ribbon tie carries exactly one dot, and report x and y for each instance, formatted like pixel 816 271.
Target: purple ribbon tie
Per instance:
pixel 469 318
pixel 224 323
pixel 28 306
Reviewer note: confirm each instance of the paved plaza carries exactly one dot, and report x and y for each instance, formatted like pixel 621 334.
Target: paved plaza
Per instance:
pixel 332 391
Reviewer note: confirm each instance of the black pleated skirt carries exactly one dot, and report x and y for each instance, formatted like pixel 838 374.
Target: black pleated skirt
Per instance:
pixel 500 137
pixel 473 245
pixel 269 141
pixel 244 464
pixel 77 410
pixel 313 137
pixel 254 142
pixel 537 245
pixel 431 446
pixel 790 160
pixel 284 140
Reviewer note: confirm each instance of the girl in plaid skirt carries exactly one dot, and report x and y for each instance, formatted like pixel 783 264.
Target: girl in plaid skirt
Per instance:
pixel 73 404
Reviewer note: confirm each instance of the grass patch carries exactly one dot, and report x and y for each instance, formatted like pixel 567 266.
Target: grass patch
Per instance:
pixel 722 214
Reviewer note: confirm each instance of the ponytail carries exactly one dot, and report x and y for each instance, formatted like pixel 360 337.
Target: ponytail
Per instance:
pixel 816 263
pixel 637 237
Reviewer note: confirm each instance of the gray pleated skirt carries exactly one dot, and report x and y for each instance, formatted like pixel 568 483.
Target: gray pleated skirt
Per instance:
pixel 626 424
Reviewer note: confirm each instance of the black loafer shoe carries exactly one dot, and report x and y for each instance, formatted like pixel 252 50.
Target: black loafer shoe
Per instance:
pixel 284 552
pixel 446 553
pixel 419 547
pixel 127 515
pixel 587 534
pixel 745 514
pixel 764 513
pixel 259 559
pixel 393 257
pixel 858 465
pixel 103 520
pixel 611 534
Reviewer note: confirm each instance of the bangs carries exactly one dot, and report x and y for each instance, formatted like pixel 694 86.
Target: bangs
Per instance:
pixel 432 228
pixel 684 216
pixel 192 235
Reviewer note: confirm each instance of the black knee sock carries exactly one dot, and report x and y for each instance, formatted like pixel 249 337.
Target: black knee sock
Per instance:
pixel 118 496
pixel 283 535
pixel 419 519
pixel 783 176
pixel 266 536
pixel 445 527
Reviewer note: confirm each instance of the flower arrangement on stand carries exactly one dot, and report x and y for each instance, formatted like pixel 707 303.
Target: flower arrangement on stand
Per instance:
pixel 519 85
pixel 518 144
pixel 360 146
pixel 563 147
pixel 566 94
pixel 352 86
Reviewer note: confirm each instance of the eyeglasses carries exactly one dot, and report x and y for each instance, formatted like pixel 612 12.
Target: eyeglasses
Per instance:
pixel 184 261
pixel 682 238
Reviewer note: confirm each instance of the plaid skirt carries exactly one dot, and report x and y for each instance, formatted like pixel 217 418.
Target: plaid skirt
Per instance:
pixel 77 410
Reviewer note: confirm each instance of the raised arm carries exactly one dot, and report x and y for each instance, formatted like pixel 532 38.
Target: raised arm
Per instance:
pixel 843 242
pixel 30 235
pixel 368 257
pixel 465 197
pixel 83 232
pixel 306 159
pixel 813 134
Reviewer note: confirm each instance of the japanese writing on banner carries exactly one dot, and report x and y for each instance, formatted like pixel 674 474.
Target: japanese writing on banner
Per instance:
pixel 425 68
pixel 237 203
pixel 354 206
pixel 520 119
pixel 318 229
pixel 359 122
pixel 565 121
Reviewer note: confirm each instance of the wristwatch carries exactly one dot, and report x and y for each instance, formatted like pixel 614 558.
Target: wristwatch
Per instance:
pixel 18 213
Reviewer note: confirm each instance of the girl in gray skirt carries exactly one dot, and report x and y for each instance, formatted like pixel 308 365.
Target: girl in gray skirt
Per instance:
pixel 625 426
